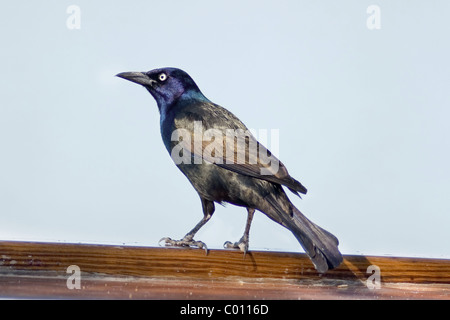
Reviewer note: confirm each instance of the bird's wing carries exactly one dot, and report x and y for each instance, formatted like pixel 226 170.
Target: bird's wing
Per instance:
pixel 217 136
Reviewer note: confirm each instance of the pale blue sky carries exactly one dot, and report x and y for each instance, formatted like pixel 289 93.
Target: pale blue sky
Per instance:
pixel 362 115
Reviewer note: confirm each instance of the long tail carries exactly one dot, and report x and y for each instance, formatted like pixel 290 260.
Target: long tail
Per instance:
pixel 320 245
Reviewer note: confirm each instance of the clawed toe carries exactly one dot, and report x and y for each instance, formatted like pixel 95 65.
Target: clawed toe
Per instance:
pixel 185 242
pixel 241 245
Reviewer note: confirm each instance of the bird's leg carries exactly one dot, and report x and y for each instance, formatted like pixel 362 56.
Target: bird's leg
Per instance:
pixel 242 244
pixel 188 239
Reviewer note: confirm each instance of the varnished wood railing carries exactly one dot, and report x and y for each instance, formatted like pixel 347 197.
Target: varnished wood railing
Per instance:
pixel 42 270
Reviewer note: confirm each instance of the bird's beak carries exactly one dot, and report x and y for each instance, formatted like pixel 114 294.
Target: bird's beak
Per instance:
pixel 137 77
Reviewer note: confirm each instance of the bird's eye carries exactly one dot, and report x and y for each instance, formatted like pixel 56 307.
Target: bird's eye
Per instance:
pixel 162 77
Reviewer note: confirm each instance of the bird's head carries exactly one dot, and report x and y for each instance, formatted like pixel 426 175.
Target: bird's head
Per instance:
pixel 166 85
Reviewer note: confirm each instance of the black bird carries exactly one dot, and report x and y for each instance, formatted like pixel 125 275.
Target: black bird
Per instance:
pixel 225 163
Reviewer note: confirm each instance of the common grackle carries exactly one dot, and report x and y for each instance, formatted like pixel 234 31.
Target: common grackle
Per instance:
pixel 225 163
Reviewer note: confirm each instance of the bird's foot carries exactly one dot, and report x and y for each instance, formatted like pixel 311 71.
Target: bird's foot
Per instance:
pixel 185 242
pixel 241 245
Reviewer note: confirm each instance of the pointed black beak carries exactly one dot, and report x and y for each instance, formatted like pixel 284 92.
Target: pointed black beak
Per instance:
pixel 137 77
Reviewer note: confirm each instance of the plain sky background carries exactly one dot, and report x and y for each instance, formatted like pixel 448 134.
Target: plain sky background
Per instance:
pixel 363 117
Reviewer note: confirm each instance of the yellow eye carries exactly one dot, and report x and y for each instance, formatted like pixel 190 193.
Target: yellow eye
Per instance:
pixel 162 77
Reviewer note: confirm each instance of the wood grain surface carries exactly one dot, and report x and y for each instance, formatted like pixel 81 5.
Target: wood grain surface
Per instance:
pixel 40 270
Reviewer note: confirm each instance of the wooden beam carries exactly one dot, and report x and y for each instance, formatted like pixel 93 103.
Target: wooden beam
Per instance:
pixel 40 270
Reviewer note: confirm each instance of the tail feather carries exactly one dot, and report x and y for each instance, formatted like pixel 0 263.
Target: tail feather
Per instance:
pixel 320 245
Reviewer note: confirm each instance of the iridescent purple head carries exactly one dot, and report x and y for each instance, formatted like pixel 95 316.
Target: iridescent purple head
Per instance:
pixel 166 85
